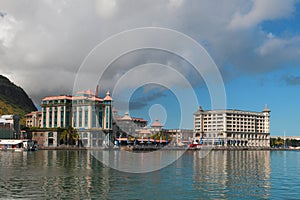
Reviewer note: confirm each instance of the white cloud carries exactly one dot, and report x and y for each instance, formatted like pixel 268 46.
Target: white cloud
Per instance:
pixel 8 29
pixel 106 8
pixel 262 10
pixel 48 40
pixel 174 4
pixel 280 47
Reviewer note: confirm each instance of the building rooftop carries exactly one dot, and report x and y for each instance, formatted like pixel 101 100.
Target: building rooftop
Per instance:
pixel 200 110
pixel 156 123
pixel 126 117
pixel 80 95
pixel 108 97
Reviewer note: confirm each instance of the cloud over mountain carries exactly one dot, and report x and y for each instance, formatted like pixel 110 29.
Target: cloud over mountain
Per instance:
pixel 42 44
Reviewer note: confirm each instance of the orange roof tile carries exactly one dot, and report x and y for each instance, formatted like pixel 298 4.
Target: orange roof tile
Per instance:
pixel 156 124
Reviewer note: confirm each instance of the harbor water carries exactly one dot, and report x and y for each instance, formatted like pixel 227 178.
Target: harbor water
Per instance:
pixel 71 174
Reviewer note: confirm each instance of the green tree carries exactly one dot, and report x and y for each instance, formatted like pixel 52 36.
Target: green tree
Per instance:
pixel 69 136
pixel 277 142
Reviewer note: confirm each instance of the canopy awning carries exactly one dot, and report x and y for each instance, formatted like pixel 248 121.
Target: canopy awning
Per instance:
pixel 10 142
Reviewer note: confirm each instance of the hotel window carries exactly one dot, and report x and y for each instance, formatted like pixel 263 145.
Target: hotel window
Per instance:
pixel 80 116
pixel 100 118
pixel 74 117
pixel 107 120
pixel 85 135
pixel 62 116
pixel 94 117
pixel 86 117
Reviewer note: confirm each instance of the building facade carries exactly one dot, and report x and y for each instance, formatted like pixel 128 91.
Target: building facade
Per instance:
pixel 127 125
pixel 232 127
pixel 180 137
pixel 82 111
pixel 85 111
pixel 34 119
pixel 10 127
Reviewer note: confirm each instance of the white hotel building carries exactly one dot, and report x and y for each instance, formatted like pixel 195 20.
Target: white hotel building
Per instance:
pixel 232 127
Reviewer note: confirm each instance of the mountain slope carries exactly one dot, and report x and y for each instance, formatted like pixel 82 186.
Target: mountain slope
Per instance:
pixel 13 99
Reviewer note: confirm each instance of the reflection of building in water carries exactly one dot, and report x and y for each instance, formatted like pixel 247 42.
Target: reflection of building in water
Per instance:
pixel 85 111
pixel 232 170
pixel 72 175
pixel 232 127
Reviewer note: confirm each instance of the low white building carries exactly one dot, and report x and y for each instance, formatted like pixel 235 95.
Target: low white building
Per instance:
pixel 232 127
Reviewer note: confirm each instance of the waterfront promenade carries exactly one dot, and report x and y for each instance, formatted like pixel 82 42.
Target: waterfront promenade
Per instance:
pixel 167 148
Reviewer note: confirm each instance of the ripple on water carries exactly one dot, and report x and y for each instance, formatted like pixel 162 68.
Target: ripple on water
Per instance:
pixel 220 175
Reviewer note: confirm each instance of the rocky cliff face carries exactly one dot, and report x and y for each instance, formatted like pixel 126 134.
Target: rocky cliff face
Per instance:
pixel 13 99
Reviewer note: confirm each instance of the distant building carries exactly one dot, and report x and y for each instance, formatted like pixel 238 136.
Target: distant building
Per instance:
pixel 156 126
pixel 139 122
pixel 127 124
pixel 135 126
pixel 180 137
pixel 232 127
pixel 10 127
pixel 85 111
pixel 34 119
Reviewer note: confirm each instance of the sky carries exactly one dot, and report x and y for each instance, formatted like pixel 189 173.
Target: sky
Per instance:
pixel 54 47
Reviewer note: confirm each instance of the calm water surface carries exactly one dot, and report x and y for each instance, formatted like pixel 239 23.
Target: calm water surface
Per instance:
pixel 220 175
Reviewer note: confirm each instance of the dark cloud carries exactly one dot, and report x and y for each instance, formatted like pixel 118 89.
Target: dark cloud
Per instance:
pixel 138 102
pixel 43 44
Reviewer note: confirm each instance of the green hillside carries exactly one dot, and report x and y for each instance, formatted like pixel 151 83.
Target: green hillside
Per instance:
pixel 13 99
pixel 6 108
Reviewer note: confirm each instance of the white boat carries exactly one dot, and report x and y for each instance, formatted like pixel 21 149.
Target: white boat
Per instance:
pixel 18 145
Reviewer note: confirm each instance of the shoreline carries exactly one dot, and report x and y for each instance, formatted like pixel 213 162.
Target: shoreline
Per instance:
pixel 144 149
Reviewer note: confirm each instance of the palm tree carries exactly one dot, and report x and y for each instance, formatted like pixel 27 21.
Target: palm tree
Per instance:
pixel 69 136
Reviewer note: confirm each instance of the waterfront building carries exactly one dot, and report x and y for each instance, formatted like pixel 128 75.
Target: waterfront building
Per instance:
pixel 155 127
pixel 232 127
pixel 133 126
pixel 10 127
pixel 46 137
pixel 127 125
pixel 139 122
pixel 34 119
pixel 180 137
pixel 84 111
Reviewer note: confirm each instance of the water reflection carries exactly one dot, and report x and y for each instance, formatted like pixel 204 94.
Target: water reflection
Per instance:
pixel 238 174
pixel 52 174
pixel 137 162
pixel 220 175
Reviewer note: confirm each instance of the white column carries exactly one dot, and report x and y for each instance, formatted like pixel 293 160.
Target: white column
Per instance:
pixel 47 117
pixel 59 117
pixel 90 116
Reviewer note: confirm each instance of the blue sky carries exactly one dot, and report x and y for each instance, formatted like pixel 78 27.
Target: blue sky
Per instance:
pixel 255 45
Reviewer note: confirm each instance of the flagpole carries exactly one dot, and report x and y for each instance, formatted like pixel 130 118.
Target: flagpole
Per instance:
pixel 284 145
